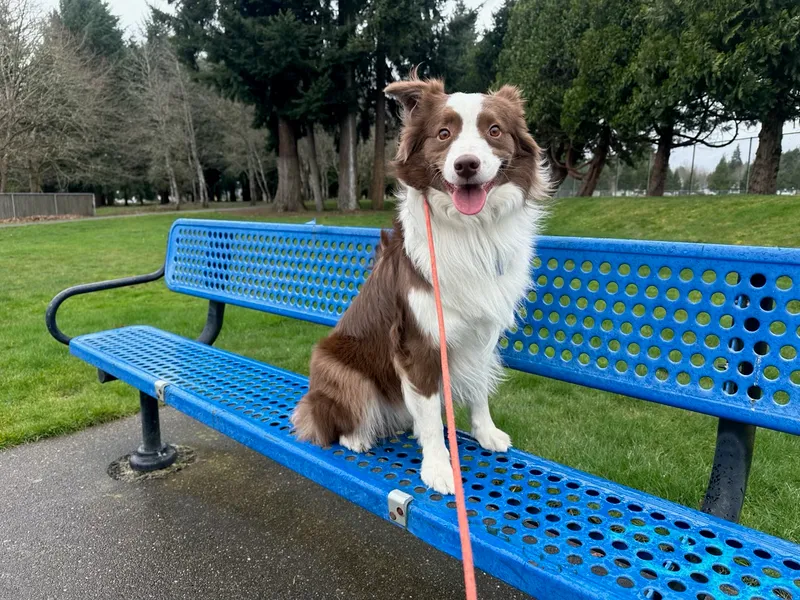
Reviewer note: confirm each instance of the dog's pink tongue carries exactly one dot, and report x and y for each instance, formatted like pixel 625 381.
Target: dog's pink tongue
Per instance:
pixel 469 199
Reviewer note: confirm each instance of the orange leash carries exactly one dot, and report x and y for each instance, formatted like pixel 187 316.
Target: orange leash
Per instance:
pixel 461 507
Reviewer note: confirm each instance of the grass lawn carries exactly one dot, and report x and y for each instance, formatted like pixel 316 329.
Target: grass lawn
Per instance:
pixel 658 449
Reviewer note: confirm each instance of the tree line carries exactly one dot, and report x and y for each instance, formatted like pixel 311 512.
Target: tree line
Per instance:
pixel 85 110
pixel 617 77
pixel 281 100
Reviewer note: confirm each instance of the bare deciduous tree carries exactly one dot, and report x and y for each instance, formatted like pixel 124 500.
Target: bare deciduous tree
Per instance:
pixel 165 93
pixel 53 99
pixel 243 147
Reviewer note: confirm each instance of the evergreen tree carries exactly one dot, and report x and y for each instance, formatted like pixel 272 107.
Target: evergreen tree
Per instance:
pixel 269 54
pixel 674 183
pixel 789 172
pixel 720 179
pixel 401 31
pixel 94 26
pixel 486 57
pixel 736 159
pixel 453 59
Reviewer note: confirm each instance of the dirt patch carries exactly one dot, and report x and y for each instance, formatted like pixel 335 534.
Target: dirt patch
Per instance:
pixel 37 218
pixel 121 470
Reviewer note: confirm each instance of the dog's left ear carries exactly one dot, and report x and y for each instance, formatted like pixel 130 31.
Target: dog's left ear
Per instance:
pixel 511 93
pixel 409 92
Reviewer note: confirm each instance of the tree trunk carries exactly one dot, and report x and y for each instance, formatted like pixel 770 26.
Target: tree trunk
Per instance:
pixel 262 179
pixel 660 168
pixel 199 184
pixel 3 173
pixel 558 173
pixel 313 170
pixel 348 196
pixel 590 179
pixel 377 190
pixel 251 182
pixel 289 195
pixel 764 175
pixel 557 163
pixel 175 195
pixel 34 180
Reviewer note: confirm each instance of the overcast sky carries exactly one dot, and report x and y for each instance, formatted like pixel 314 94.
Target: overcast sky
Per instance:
pixel 132 13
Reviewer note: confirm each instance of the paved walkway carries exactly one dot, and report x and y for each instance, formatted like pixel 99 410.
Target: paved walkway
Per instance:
pixel 232 525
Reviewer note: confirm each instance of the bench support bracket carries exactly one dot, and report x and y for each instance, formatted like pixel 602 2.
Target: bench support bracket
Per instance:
pixel 732 459
pixel 153 454
pixel 399 502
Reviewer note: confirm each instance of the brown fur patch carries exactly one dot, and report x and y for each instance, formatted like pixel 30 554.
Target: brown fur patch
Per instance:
pixel 357 363
pixel 425 113
pixel 520 153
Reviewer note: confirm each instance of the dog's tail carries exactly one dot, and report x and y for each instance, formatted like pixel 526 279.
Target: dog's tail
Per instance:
pixel 319 419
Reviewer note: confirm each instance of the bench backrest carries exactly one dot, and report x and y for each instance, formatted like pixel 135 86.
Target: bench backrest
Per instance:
pixel 709 328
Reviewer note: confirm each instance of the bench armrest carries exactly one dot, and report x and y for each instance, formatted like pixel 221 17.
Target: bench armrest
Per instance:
pixel 86 288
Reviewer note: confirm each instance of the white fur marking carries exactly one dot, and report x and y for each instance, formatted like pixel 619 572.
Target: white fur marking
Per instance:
pixel 427 414
pixel 378 420
pixel 470 141
pixel 479 301
pixel 484 429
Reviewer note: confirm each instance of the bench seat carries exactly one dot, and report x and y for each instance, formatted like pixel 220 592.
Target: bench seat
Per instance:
pixel 549 530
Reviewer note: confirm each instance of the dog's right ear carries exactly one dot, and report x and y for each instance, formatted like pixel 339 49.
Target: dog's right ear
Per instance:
pixel 409 92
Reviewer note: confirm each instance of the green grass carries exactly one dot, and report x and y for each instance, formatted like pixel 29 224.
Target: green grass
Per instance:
pixel 658 449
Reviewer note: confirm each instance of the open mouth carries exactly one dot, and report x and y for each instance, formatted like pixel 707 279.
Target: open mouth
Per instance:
pixel 469 199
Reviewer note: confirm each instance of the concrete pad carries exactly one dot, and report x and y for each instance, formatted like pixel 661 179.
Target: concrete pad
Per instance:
pixel 232 525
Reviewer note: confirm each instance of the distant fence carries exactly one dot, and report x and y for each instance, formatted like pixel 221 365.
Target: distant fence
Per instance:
pixel 20 206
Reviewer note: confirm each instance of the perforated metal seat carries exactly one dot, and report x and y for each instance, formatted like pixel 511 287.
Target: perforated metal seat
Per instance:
pixel 547 529
pixel 712 329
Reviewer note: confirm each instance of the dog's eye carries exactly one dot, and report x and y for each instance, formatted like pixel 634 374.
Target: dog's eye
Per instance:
pixel 444 134
pixel 495 131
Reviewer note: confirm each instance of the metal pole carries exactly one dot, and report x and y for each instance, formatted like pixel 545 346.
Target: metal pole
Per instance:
pixel 691 171
pixel 616 179
pixel 13 207
pixel 55 203
pixel 649 172
pixel 153 454
pixel 732 459
pixel 749 153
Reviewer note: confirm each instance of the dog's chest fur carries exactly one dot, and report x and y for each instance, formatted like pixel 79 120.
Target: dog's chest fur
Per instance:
pixel 484 266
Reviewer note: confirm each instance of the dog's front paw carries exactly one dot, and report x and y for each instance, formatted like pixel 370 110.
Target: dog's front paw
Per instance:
pixel 493 439
pixel 437 475
pixel 355 443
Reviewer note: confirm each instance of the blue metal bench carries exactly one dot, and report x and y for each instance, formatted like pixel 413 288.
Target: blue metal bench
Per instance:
pixel 712 329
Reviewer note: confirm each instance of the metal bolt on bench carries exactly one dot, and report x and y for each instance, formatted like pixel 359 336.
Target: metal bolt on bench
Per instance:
pixel 705 328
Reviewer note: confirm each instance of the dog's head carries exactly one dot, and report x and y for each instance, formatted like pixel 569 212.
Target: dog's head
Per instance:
pixel 468 146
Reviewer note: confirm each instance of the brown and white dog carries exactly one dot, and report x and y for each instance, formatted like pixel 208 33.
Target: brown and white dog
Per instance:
pixel 378 372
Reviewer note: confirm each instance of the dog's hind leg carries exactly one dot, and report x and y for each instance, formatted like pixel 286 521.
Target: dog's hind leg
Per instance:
pixel 369 428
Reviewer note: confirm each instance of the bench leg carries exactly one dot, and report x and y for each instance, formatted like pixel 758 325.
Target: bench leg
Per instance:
pixel 728 482
pixel 153 454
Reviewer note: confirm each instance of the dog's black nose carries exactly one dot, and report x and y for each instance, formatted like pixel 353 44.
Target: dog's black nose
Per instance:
pixel 467 165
